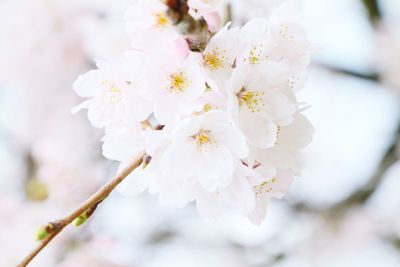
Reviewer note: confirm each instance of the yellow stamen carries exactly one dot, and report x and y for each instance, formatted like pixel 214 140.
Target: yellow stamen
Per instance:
pixel 112 94
pixel 207 107
pixel 178 82
pixel 203 139
pixel 265 187
pixel 284 32
pixel 252 99
pixel 254 57
pixel 214 60
pixel 161 20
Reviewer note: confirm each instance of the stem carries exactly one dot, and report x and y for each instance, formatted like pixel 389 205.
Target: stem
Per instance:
pixel 369 76
pixel 361 195
pixel 96 198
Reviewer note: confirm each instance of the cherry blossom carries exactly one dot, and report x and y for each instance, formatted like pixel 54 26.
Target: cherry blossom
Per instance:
pixel 115 90
pixel 210 144
pixel 280 38
pixel 219 121
pixel 219 56
pixel 174 86
pixel 258 102
pixel 148 21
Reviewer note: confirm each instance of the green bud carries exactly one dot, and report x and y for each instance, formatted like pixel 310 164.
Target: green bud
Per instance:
pixel 42 233
pixel 81 219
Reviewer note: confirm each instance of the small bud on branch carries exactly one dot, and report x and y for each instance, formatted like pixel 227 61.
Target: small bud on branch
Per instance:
pixel 41 234
pixel 81 219
pixel 46 233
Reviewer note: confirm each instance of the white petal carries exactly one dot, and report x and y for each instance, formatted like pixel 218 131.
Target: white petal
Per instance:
pixel 253 30
pixel 215 169
pixel 258 214
pixel 208 205
pixel 297 134
pixel 167 108
pixel 89 84
pixel 260 132
pixel 279 108
pixel 123 145
pixel 135 183
pixel 179 195
pixel 240 194
pixel 220 124
pixel 137 106
pixel 179 160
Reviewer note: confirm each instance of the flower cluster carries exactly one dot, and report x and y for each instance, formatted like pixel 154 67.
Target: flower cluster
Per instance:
pixel 214 110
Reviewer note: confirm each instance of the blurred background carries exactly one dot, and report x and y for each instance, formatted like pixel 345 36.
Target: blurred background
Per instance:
pixel 343 212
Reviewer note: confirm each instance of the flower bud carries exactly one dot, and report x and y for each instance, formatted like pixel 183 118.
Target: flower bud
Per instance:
pixel 42 233
pixel 81 219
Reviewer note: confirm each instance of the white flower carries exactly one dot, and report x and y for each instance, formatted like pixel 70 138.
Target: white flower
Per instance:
pixel 290 42
pixel 280 39
pixel 286 153
pixel 123 143
pixel 219 57
pixel 271 188
pixel 174 85
pixel 239 195
pixel 210 100
pixel 253 42
pixel 204 149
pixel 258 102
pixel 147 21
pixel 276 167
pixel 114 90
pixel 141 178
pixel 219 126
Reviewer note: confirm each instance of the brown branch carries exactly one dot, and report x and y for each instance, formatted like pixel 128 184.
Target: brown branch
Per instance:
pixel 88 205
pixel 359 196
pixel 370 76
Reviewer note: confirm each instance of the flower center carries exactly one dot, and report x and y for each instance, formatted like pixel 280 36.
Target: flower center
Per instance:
pixel 161 20
pixel 255 55
pixel 112 93
pixel 265 187
pixel 284 32
pixel 203 139
pixel 214 60
pixel 207 107
pixel 293 80
pixel 252 99
pixel 178 82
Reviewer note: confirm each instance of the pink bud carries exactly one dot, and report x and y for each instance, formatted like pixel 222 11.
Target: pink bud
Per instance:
pixel 213 20
pixel 180 47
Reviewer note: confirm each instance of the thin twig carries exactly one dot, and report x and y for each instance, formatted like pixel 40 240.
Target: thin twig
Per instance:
pixel 93 201
pixel 370 76
pixel 360 196
pixel 229 16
